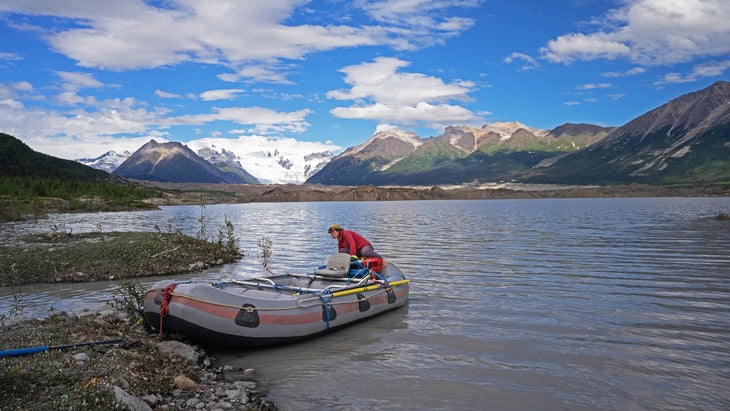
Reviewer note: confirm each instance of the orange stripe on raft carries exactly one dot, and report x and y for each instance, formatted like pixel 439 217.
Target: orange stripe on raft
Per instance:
pixel 267 318
pixel 231 313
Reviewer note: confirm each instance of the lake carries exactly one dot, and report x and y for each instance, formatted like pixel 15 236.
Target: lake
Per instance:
pixel 550 304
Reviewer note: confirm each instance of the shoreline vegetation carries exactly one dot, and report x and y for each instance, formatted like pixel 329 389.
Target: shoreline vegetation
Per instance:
pixel 119 363
pixel 140 374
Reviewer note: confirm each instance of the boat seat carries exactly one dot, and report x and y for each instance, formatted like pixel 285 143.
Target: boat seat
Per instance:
pixel 338 266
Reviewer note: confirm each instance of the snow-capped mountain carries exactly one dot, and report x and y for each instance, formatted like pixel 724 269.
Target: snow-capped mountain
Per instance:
pixel 268 161
pixel 507 128
pixel 281 161
pixel 108 161
pixel 227 162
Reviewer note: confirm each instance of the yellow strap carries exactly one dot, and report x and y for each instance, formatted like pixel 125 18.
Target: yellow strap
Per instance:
pixel 366 288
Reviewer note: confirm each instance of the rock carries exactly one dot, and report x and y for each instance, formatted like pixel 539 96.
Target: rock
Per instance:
pixel 184 383
pixel 150 399
pixel 132 402
pixel 80 358
pixel 179 349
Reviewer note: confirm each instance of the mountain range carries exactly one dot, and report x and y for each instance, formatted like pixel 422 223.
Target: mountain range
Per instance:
pixel 176 162
pixel 683 141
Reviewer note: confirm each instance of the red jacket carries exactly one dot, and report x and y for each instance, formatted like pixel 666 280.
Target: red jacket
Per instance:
pixel 352 240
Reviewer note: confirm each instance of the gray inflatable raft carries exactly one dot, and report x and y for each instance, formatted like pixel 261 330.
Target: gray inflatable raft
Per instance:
pixel 275 309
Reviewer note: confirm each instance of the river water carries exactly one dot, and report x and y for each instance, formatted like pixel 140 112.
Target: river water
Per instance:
pixel 580 304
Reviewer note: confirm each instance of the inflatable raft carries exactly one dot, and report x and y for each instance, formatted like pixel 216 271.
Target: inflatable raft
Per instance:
pixel 276 309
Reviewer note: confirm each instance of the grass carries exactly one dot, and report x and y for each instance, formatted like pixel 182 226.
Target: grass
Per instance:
pixel 65 257
pixel 51 380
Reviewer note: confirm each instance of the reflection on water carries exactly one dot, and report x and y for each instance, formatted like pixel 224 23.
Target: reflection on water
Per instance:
pixel 515 304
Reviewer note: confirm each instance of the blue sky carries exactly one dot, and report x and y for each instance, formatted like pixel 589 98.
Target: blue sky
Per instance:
pixel 81 77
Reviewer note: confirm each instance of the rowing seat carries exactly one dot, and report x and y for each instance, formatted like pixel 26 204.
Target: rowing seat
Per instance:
pixel 338 266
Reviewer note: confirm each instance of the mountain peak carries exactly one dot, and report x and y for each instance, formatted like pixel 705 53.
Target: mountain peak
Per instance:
pixel 171 162
pixel 389 144
pixel 506 128
pixel 108 161
pixel 402 135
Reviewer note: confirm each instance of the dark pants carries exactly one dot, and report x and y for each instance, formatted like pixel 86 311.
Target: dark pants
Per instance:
pixel 366 251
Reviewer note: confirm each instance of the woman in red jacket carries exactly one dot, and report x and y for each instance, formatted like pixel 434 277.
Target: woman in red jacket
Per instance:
pixel 353 243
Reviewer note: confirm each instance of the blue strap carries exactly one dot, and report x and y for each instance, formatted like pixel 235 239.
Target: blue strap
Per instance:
pixel 326 309
pixel 23 351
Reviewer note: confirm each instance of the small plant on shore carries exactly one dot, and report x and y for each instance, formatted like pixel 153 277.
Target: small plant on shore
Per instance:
pixel 130 300
pixel 226 239
pixel 723 216
pixel 16 308
pixel 202 233
pixel 265 250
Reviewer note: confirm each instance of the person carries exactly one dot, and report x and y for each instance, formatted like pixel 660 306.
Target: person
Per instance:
pixel 353 243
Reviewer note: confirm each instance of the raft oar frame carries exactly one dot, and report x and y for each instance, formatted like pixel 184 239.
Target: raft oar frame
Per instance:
pixel 34 350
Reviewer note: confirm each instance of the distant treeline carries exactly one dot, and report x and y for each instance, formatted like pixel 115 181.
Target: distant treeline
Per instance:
pixel 32 184
pixel 29 186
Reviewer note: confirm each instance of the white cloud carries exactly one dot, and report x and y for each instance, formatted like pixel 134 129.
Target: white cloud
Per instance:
pixel 135 34
pixel 383 93
pixel 711 69
pixel 630 72
pixel 15 89
pixel 576 46
pixel 262 120
pixel 651 32
pixel 52 131
pixel 10 56
pixel 528 62
pixel 258 73
pixel 164 94
pixel 411 24
pixel 592 86
pixel 74 81
pixel 222 94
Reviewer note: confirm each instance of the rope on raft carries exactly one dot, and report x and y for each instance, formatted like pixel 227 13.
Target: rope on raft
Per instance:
pixel 165 300
pixel 165 304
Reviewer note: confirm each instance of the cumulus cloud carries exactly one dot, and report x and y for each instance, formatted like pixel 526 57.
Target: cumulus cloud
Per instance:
pixel 261 120
pixel 136 35
pixel 15 89
pixel 528 63
pixel 164 94
pixel 81 131
pixel 711 69
pixel 652 33
pixel 630 72
pixel 222 94
pixel 383 93
pixel 419 22
pixel 74 81
pixel 592 86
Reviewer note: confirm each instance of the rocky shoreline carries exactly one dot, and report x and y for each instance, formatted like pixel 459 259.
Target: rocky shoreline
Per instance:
pixel 219 388
pixel 195 193
pixel 135 369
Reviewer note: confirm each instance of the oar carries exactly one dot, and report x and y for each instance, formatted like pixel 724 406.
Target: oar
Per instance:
pixel 33 350
pixel 366 288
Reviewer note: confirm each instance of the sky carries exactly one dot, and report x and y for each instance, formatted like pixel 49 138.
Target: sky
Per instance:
pixel 78 78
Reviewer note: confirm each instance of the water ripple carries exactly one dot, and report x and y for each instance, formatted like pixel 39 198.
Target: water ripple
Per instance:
pixel 515 304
